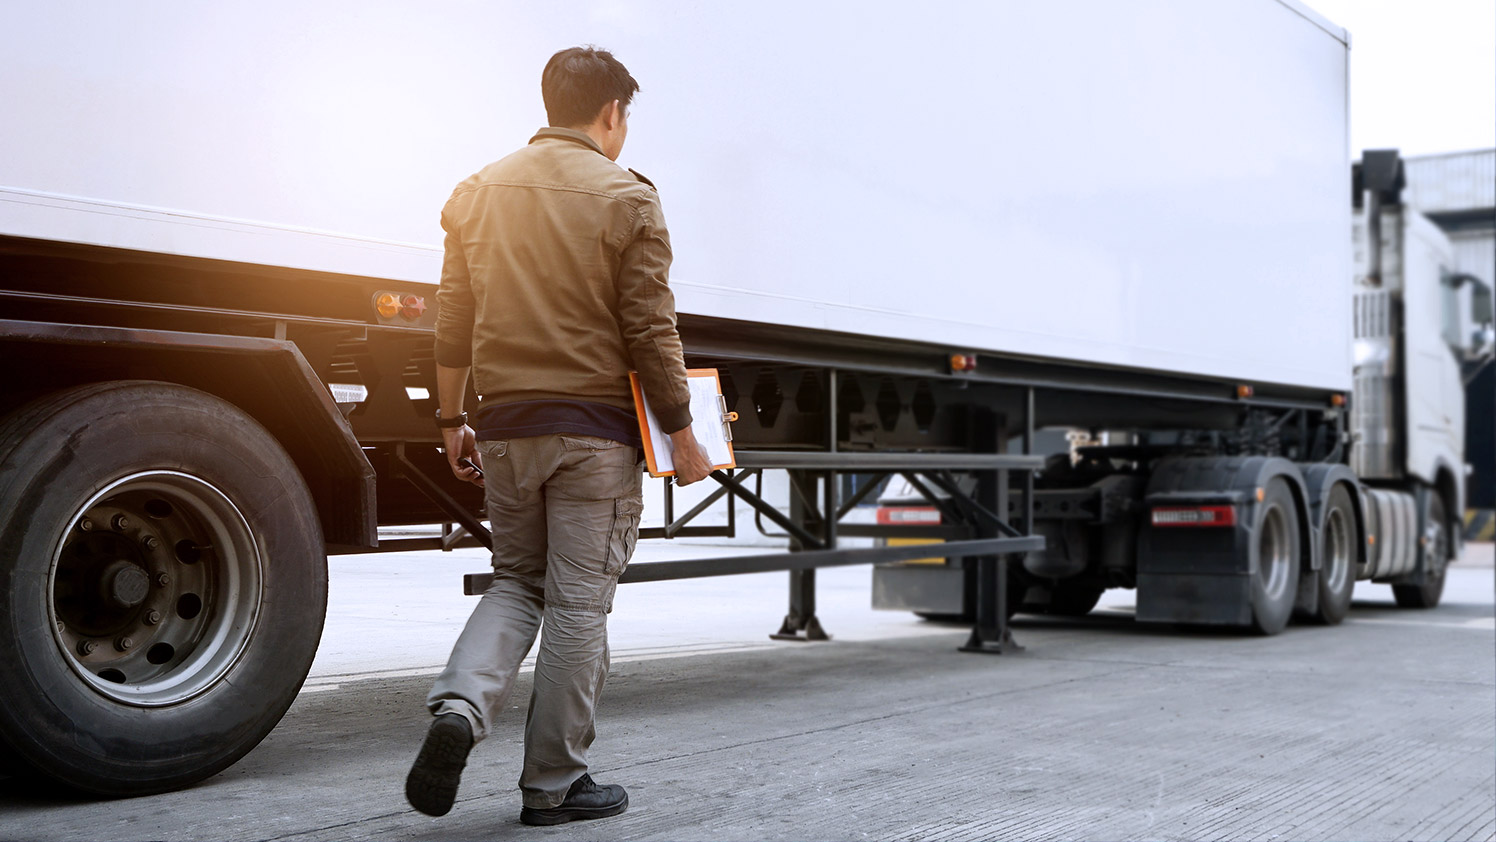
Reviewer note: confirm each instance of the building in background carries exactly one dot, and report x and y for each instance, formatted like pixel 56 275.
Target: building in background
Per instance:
pixel 1458 192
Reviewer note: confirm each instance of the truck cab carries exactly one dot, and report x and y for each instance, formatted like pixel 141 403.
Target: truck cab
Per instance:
pixel 1418 327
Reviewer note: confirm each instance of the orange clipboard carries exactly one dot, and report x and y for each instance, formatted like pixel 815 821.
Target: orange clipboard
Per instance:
pixel 710 421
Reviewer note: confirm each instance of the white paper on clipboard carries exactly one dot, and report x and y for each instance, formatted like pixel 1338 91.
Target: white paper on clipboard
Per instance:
pixel 709 422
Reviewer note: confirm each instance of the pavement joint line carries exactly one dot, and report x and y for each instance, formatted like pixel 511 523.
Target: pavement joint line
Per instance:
pixel 814 731
pixel 1477 624
pixel 1233 668
pixel 829 729
pixel 866 721
pixel 336 826
pixel 325 683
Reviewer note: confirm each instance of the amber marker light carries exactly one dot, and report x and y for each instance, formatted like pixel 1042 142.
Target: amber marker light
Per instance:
pixel 1244 391
pixel 1337 400
pixel 387 304
pixel 963 362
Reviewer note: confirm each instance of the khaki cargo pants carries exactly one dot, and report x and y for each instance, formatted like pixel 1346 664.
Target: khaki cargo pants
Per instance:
pixel 565 515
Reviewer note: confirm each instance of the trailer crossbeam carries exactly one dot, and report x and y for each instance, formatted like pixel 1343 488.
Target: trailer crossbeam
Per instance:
pixel 661 571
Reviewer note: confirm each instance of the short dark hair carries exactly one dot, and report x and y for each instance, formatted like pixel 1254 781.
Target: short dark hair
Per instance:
pixel 577 83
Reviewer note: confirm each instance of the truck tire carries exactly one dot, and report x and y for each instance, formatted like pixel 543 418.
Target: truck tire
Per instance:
pixel 163 583
pixel 1275 562
pixel 11 765
pixel 1428 594
pixel 1017 587
pixel 1074 600
pixel 1339 538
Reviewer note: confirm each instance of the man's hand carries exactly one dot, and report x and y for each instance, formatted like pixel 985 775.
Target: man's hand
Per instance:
pixel 691 463
pixel 461 442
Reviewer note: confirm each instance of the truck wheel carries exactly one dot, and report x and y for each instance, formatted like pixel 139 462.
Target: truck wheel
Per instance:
pixel 1428 594
pixel 937 617
pixel 1337 572
pixel 1017 586
pixel 163 584
pixel 11 766
pixel 1276 563
pixel 1074 600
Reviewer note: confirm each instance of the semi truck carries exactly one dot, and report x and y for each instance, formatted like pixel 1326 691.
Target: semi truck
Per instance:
pixel 1389 478
pixel 909 237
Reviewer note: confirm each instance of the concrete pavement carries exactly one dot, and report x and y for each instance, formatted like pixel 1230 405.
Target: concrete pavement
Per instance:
pixel 1382 728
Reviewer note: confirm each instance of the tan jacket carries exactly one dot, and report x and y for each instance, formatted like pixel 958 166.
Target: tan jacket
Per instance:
pixel 555 281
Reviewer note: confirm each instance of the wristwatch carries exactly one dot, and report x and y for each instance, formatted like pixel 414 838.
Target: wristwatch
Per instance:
pixel 451 423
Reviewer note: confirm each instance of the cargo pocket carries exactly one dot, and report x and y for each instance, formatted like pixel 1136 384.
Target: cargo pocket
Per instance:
pixel 621 542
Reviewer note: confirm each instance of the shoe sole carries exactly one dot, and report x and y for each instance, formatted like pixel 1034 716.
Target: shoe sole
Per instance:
pixel 431 786
pixel 562 815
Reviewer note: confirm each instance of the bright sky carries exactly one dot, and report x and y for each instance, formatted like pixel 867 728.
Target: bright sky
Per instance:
pixel 1423 73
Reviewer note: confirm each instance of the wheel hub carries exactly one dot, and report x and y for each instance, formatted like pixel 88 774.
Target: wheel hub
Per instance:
pixel 156 589
pixel 1337 550
pixel 1273 552
pixel 125 584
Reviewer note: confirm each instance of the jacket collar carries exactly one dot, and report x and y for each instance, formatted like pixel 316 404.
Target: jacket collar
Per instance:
pixel 568 134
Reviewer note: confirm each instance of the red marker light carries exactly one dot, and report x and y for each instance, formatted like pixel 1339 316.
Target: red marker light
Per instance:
pixel 1194 516
pixel 889 515
pixel 412 306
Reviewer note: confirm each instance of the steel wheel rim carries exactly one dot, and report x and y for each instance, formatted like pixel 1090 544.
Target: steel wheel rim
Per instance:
pixel 1438 543
pixel 1337 550
pixel 1273 552
pixel 189 556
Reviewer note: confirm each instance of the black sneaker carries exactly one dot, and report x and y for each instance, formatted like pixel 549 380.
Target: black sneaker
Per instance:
pixel 431 786
pixel 585 800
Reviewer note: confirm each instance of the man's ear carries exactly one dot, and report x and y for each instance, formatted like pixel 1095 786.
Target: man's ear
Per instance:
pixel 612 115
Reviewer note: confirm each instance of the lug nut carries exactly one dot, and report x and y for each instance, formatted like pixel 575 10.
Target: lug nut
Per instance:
pixel 162 579
pixel 86 647
pixel 86 525
pixel 120 523
pixel 124 644
pixel 150 542
pixel 152 617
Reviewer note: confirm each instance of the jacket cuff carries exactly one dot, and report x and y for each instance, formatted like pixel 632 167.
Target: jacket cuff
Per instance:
pixel 673 419
pixel 453 356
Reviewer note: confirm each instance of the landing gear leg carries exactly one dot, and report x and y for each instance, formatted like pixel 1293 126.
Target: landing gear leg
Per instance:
pixel 801 624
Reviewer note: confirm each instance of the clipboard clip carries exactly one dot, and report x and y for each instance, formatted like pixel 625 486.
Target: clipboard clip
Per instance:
pixel 727 418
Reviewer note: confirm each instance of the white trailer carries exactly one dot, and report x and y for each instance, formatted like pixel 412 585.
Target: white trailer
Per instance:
pixel 909 236
pixel 1079 181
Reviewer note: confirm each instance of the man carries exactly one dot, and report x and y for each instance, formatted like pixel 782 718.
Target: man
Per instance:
pixel 553 287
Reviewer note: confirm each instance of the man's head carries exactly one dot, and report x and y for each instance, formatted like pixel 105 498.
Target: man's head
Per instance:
pixel 586 89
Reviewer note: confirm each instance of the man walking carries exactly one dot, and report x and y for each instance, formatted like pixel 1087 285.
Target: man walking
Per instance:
pixel 554 286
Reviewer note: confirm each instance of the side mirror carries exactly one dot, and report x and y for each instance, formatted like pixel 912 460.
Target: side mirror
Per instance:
pixel 1483 341
pixel 1483 314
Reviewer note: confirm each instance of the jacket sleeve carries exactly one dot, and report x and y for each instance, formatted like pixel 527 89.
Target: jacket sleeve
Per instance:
pixel 646 310
pixel 454 304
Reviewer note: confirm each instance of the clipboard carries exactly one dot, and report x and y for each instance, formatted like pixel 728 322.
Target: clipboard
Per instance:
pixel 710 421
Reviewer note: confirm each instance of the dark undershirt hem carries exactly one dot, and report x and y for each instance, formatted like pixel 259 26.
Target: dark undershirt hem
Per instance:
pixel 502 422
